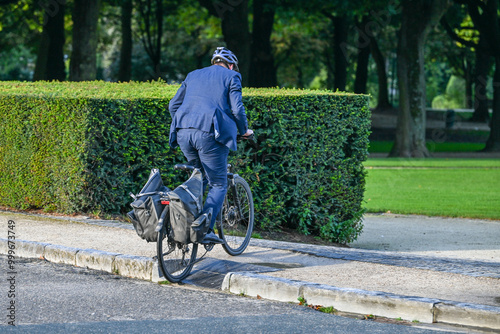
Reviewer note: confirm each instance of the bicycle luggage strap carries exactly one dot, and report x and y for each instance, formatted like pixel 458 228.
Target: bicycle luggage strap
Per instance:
pixel 192 196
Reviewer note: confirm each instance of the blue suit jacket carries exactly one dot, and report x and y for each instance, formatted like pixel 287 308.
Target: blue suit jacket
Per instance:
pixel 210 98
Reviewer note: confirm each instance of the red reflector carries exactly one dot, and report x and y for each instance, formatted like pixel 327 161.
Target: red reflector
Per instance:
pixel 165 202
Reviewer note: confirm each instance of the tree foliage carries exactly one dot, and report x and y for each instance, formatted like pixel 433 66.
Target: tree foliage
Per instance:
pixel 345 45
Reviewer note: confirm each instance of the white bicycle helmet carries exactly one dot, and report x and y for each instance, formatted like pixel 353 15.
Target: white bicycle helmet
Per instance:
pixel 225 55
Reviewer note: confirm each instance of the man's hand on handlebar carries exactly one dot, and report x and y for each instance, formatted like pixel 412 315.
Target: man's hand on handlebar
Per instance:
pixel 249 133
pixel 249 136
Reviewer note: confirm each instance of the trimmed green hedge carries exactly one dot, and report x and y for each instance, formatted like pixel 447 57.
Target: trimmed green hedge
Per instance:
pixel 82 147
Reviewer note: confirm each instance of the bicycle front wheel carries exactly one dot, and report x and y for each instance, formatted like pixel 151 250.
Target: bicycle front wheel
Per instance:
pixel 235 223
pixel 174 258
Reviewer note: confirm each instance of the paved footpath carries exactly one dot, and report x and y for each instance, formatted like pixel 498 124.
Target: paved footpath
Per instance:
pixel 434 270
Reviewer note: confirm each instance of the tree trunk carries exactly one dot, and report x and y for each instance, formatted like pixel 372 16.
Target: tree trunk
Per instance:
pixel 486 20
pixel 483 65
pixel 157 42
pixel 418 17
pixel 339 46
pixel 234 24
pixel 151 27
pixel 493 142
pixel 237 36
pixel 468 86
pixel 262 68
pixel 410 128
pixel 383 86
pixel 363 58
pixel 125 70
pixel 330 71
pixel 83 57
pixel 50 59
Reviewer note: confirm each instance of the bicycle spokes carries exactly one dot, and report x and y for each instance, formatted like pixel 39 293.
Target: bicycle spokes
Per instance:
pixel 176 260
pixel 236 222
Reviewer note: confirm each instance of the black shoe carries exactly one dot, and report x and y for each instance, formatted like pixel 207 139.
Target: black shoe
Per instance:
pixel 211 238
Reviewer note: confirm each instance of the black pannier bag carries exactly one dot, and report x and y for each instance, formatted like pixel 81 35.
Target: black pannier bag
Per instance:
pixel 186 204
pixel 147 207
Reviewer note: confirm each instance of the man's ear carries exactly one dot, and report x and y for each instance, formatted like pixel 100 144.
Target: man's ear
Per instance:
pixel 231 66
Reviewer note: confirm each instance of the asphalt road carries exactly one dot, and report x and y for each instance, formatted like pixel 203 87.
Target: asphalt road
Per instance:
pixel 53 298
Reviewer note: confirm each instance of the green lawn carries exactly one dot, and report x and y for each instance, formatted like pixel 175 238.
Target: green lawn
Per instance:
pixel 385 147
pixel 432 163
pixel 435 187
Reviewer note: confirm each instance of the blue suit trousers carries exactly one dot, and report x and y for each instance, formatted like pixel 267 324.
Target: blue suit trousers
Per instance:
pixel 202 151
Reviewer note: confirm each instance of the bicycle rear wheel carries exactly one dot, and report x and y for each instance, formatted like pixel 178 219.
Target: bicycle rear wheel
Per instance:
pixel 235 223
pixel 174 258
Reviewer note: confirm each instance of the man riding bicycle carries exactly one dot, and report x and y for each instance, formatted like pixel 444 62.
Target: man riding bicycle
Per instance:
pixel 207 114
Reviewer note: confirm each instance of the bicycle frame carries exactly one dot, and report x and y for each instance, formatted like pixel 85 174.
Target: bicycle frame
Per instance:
pixel 183 256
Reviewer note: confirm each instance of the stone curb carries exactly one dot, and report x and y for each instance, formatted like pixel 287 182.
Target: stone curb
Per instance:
pixel 59 254
pixel 133 266
pixel 358 301
pixel 95 259
pixel 23 248
pixel 468 314
pixel 425 310
pixel 140 267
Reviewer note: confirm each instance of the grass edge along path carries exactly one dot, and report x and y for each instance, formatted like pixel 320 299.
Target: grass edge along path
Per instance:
pixel 468 188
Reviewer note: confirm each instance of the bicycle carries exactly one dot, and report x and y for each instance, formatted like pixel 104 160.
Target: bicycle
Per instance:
pixel 234 225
